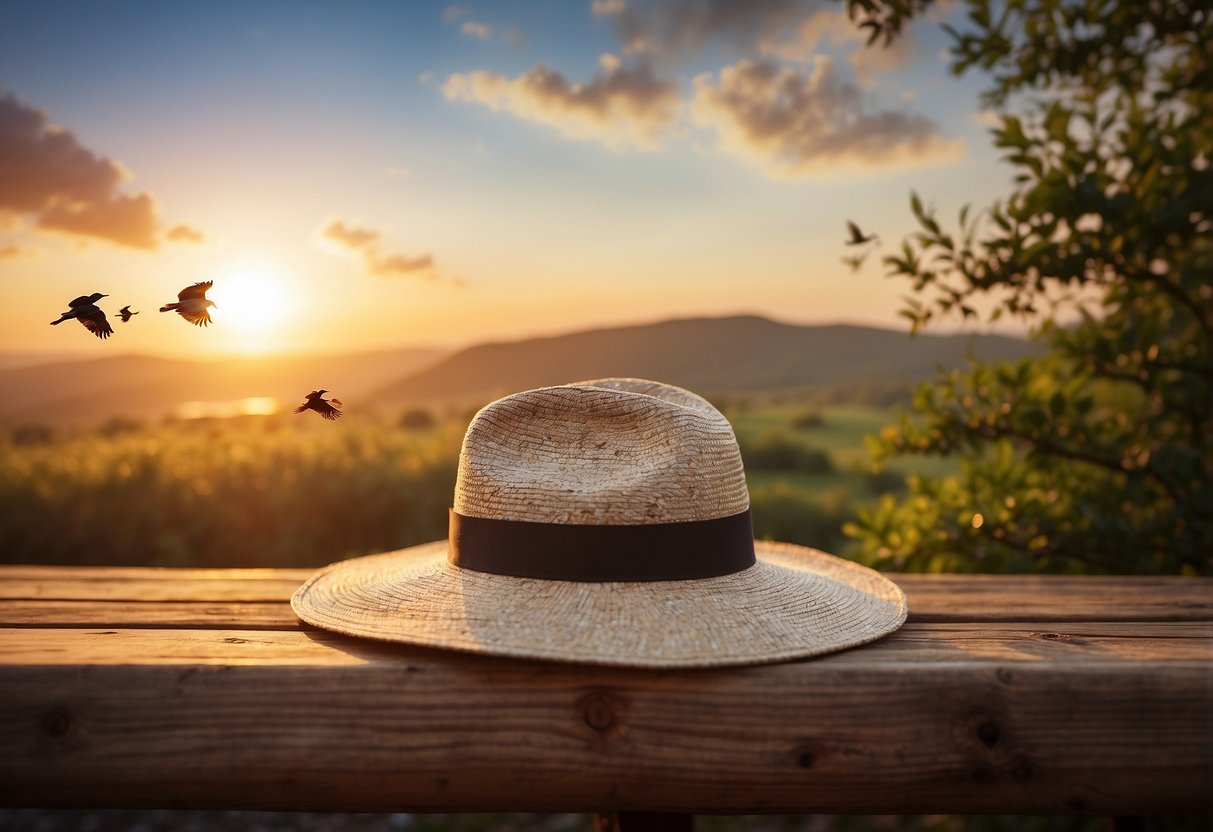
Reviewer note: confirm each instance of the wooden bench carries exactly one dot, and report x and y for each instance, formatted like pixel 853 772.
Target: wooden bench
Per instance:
pixel 125 687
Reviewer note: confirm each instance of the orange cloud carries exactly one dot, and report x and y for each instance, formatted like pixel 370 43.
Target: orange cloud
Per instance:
pixel 797 123
pixel 398 264
pixel 365 243
pixel 183 233
pixel 620 105
pixel 350 236
pixel 13 252
pixel 47 174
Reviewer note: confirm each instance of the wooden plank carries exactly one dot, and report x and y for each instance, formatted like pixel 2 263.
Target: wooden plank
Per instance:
pixel 165 615
pixel 1093 643
pixel 1040 598
pixel 1060 598
pixel 140 584
pixel 1110 719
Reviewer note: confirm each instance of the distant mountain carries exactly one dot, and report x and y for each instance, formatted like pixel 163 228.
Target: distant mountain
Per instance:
pixel 708 355
pixel 13 360
pixel 143 387
pixel 702 354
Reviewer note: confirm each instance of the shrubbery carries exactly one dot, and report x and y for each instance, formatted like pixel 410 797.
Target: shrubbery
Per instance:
pixel 246 495
pixel 276 493
pixel 777 451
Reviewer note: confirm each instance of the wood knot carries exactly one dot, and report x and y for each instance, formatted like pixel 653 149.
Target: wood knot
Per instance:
pixel 56 723
pixel 598 713
pixel 805 755
pixel 989 732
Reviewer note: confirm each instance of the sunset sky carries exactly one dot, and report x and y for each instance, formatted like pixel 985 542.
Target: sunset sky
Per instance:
pixel 364 175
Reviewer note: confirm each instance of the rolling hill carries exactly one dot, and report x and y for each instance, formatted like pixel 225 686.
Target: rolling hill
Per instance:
pixel 703 354
pixel 708 355
pixel 144 387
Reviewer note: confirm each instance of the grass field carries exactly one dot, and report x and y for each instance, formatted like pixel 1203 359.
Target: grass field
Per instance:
pixel 288 491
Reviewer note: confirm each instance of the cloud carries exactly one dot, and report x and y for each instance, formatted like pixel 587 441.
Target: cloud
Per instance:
pixel 14 251
pixel 619 105
pixel 182 233
pixel 791 30
pixel 126 220
pixel 46 174
pixel 479 31
pixel 798 123
pixel 365 243
pixel 397 264
pixel 351 237
pixel 514 36
pixel 606 8
pixel 683 28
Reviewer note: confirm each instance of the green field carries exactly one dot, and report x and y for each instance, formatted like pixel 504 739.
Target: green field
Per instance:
pixel 284 491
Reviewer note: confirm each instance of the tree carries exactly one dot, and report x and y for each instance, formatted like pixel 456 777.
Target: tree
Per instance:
pixel 1098 456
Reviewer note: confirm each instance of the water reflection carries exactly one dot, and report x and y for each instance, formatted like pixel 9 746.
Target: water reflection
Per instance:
pixel 231 408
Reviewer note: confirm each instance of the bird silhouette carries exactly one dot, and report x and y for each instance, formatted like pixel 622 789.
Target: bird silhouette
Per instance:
pixel 126 314
pixel 858 238
pixel 192 304
pixel 325 407
pixel 85 310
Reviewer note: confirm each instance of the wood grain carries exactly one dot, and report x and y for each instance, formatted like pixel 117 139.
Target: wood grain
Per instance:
pixel 199 688
pixel 931 597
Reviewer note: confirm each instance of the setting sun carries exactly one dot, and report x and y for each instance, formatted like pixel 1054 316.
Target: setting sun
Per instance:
pixel 253 300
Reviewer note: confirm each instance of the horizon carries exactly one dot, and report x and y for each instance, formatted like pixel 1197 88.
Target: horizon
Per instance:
pixel 361 178
pixel 14 358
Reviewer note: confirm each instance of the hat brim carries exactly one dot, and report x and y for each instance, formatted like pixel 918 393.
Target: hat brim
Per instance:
pixel 793 603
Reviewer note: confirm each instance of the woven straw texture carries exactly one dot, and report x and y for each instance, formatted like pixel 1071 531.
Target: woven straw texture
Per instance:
pixel 613 451
pixel 618 452
pixel 794 603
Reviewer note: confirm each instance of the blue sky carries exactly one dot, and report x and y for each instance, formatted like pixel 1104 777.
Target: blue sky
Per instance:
pixel 508 168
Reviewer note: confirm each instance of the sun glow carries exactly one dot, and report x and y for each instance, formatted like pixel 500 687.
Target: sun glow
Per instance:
pixel 253 301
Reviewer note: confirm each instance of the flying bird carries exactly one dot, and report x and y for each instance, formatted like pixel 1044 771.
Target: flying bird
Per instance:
pixel 85 310
pixel 126 314
pixel 858 238
pixel 325 407
pixel 192 304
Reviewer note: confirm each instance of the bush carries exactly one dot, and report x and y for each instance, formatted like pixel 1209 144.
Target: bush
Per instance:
pixel 225 496
pixel 417 418
pixel 807 419
pixel 776 451
pixel 794 515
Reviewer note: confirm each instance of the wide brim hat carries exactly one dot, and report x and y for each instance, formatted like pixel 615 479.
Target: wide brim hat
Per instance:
pixel 605 522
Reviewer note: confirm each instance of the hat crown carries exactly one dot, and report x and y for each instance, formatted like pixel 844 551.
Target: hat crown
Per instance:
pixel 603 452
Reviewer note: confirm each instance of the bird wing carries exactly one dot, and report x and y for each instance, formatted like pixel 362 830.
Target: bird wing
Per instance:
pixel 336 403
pixel 327 410
pixel 302 408
pixel 856 234
pixel 198 290
pixel 197 317
pixel 94 321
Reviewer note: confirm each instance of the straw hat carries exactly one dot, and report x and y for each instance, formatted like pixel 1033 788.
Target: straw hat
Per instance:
pixel 605 522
